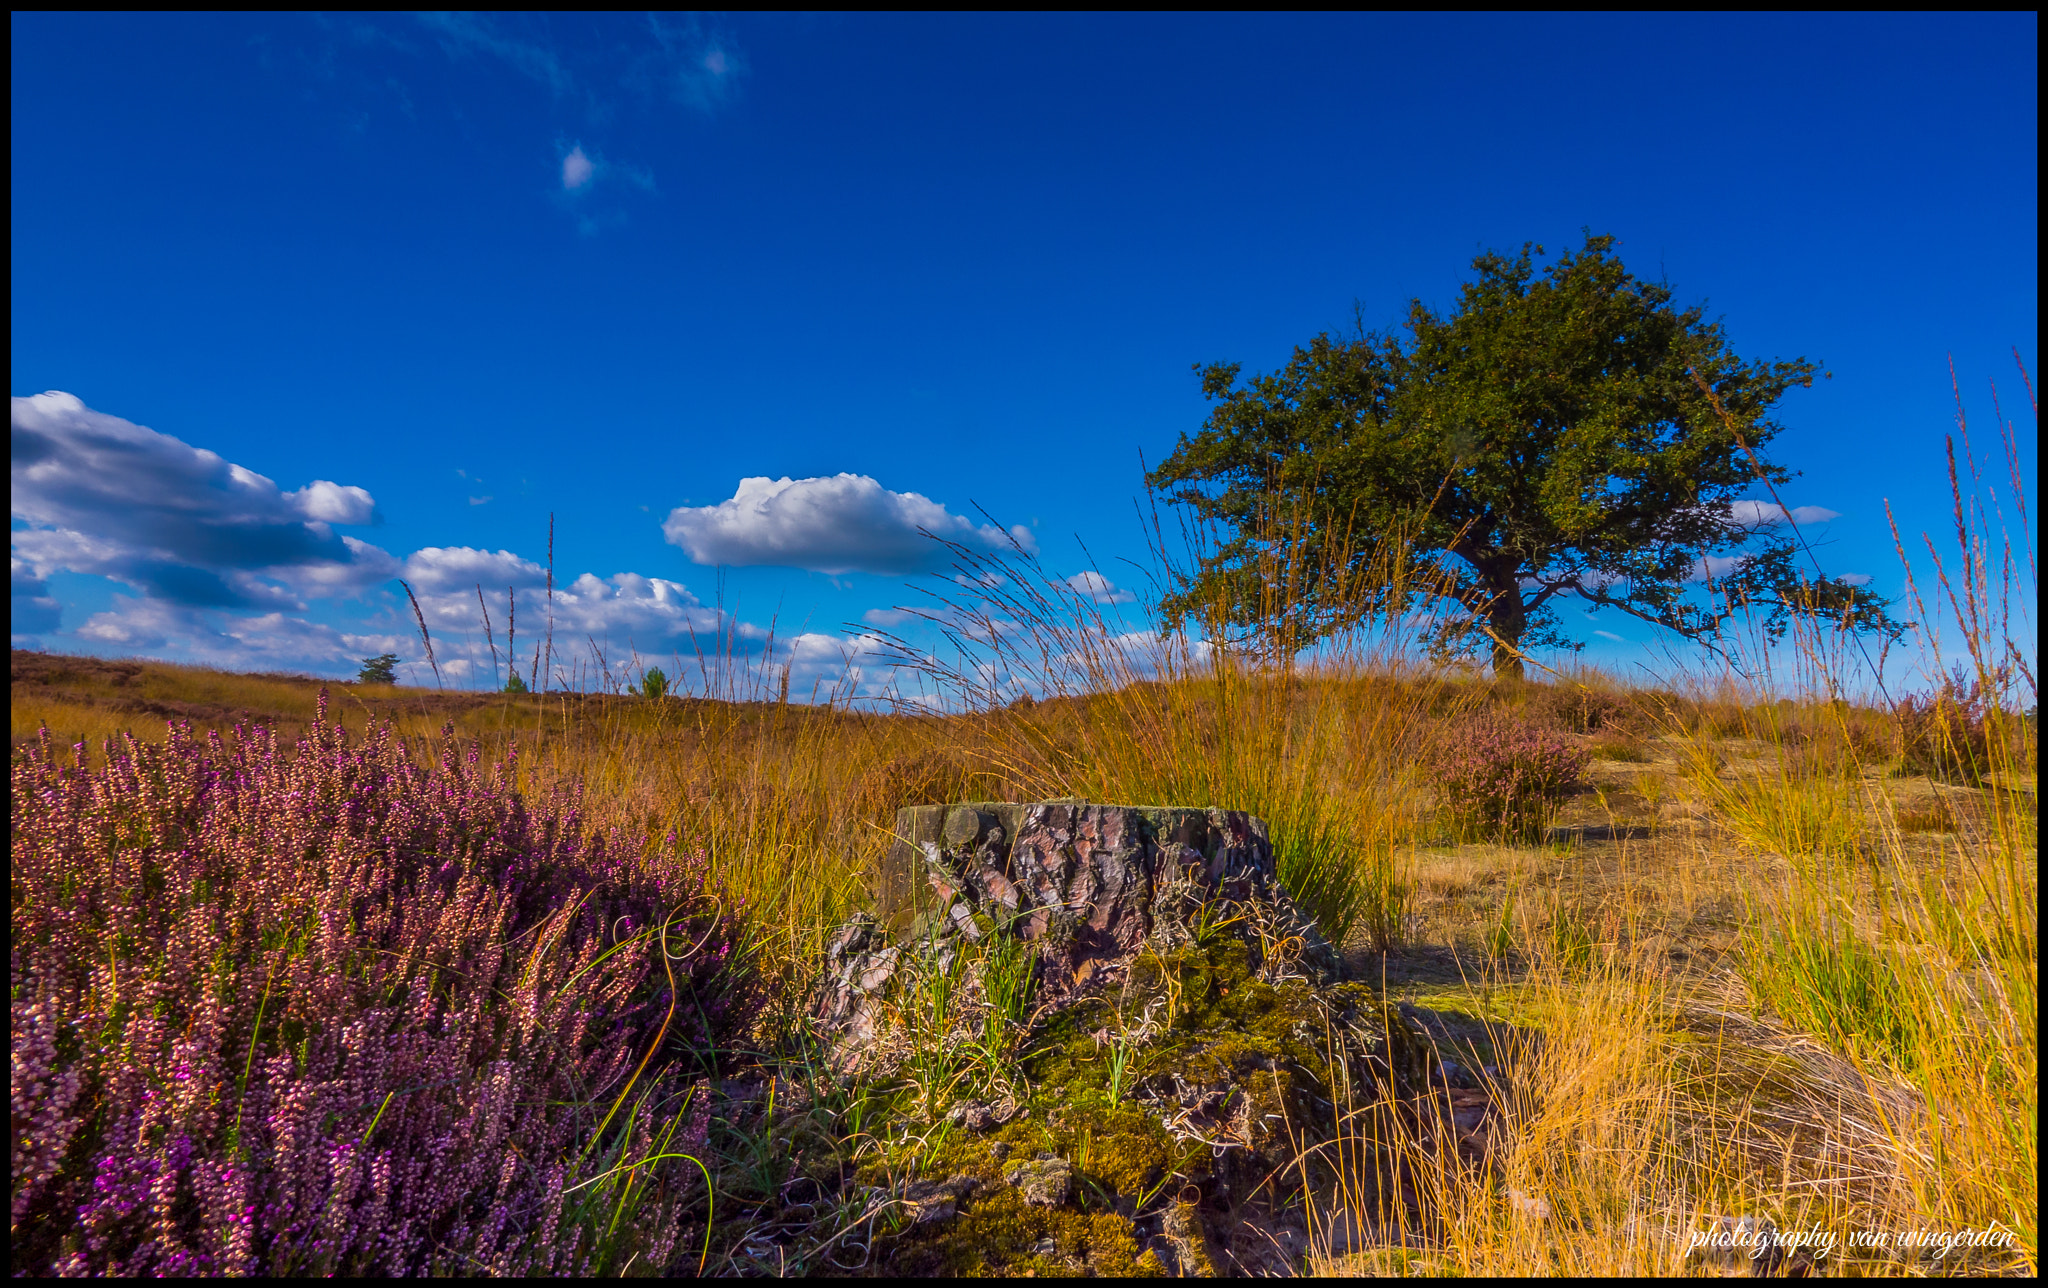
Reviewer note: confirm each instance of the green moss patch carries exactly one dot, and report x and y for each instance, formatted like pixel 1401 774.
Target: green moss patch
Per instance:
pixel 1139 1091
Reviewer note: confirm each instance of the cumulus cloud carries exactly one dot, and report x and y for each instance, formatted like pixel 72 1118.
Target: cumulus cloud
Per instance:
pixel 597 622
pixel 327 502
pixel 102 495
pixel 222 559
pixel 627 602
pixel 617 614
pixel 1142 654
pixel 1724 565
pixel 461 568
pixel 1095 586
pixel 210 637
pixel 845 523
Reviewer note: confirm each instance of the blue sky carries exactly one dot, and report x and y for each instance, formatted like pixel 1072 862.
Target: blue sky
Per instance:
pixel 435 278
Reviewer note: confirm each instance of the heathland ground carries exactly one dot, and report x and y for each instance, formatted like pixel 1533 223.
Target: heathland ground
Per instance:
pixel 1774 956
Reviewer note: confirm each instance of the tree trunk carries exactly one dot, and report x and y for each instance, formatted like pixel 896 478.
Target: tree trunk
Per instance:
pixel 1506 618
pixel 1507 663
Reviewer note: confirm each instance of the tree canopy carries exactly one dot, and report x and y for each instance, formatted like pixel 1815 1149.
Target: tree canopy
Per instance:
pixel 381 669
pixel 1563 434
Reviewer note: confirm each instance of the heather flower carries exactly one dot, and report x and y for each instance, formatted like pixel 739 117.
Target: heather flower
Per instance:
pixel 343 1008
pixel 1499 779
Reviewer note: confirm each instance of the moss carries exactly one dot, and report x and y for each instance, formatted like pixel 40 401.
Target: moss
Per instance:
pixel 1183 1228
pixel 1269 1060
pixel 1001 1234
pixel 1065 1055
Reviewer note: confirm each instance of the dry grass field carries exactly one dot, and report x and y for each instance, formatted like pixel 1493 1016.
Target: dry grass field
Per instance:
pixel 1756 966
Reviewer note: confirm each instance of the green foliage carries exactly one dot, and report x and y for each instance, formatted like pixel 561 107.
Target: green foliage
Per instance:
pixel 1827 981
pixel 1568 434
pixel 1787 813
pixel 1574 944
pixel 379 669
pixel 515 684
pixel 1500 937
pixel 653 684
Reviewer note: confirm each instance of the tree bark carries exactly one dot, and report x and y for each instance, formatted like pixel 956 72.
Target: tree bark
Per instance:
pixel 1508 620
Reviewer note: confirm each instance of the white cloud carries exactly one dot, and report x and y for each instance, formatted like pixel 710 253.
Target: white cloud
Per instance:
pixel 222 639
pixel 1854 578
pixel 1133 654
pixel 627 602
pixel 618 614
pixel 327 502
pixel 1764 514
pixel 1610 635
pixel 221 557
pixel 1717 566
pixel 223 560
pixel 1093 585
pixel 370 565
pixel 845 523
pixel 577 169
pixel 887 617
pixel 102 495
pixel 461 568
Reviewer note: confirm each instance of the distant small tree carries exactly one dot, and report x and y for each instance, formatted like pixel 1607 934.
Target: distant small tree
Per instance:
pixel 653 684
pixel 379 669
pixel 515 684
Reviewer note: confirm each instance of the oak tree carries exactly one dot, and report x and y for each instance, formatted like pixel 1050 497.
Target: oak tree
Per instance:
pixel 1568 434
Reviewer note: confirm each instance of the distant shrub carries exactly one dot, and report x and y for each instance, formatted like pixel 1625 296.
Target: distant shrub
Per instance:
pixel 1578 708
pixel 1723 717
pixel 1948 735
pixel 514 684
pixel 1834 739
pixel 381 669
pixel 1501 779
pixel 654 683
pixel 345 1012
